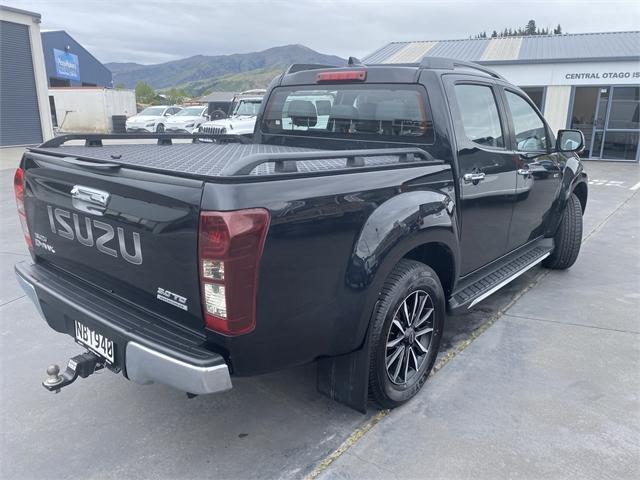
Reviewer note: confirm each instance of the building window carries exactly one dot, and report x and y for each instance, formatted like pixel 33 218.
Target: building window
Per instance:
pixel 609 118
pixel 59 82
pixel 52 107
pixel 536 94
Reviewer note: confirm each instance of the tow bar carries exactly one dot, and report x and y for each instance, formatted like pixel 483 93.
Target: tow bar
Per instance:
pixel 81 365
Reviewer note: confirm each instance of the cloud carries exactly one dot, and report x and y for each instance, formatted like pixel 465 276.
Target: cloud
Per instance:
pixel 156 31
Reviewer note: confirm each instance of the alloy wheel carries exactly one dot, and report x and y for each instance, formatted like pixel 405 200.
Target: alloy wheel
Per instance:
pixel 409 337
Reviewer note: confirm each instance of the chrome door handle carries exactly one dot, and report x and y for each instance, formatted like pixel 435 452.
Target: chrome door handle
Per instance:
pixel 525 172
pixel 473 177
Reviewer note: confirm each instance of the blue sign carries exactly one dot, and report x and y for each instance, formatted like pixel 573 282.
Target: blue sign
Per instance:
pixel 67 65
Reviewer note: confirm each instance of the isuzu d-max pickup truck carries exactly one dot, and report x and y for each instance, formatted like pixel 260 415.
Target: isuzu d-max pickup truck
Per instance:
pixel 372 201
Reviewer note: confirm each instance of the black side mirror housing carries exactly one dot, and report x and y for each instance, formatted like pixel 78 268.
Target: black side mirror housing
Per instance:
pixel 570 141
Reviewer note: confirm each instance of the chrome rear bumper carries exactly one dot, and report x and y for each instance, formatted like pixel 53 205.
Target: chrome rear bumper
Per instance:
pixel 142 363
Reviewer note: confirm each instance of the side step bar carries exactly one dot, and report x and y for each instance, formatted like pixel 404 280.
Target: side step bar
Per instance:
pixel 480 287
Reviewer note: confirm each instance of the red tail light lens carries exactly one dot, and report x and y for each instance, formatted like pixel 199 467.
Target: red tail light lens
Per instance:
pixel 230 246
pixel 352 75
pixel 18 186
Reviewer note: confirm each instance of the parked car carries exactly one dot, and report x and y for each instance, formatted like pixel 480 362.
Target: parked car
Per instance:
pixel 243 116
pixel 429 187
pixel 151 119
pixel 187 120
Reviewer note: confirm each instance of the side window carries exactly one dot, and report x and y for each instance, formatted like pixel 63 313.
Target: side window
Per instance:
pixel 531 135
pixel 479 113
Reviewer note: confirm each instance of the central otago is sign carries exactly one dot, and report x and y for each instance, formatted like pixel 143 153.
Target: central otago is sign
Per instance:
pixel 601 75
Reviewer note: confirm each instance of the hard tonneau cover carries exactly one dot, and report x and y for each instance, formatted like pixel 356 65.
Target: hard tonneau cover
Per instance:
pixel 219 160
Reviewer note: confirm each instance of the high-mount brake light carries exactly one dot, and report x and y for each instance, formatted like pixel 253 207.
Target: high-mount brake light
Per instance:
pixel 351 75
pixel 230 246
pixel 18 187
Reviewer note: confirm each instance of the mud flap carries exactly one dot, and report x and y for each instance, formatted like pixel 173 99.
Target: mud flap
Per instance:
pixel 345 378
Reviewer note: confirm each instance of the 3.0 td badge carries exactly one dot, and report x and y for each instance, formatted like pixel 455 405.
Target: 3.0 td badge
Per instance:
pixel 172 298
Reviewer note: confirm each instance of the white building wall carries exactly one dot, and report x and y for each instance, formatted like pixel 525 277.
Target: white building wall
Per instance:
pixel 578 73
pixel 89 110
pixel 556 106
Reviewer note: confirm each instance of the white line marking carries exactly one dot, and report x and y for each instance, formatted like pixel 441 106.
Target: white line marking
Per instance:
pixel 635 187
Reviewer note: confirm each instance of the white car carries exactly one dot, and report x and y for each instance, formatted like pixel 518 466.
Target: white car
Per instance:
pixel 242 120
pixel 151 119
pixel 187 120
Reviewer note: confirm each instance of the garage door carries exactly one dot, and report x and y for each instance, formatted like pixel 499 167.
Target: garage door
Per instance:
pixel 19 113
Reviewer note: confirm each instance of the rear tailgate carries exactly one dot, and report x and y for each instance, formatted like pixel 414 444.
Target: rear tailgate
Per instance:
pixel 129 232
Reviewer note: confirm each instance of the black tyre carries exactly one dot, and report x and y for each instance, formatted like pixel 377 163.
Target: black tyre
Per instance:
pixel 568 238
pixel 406 331
pixel 160 128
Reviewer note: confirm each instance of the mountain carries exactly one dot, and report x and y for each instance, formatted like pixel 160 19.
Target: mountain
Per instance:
pixel 211 68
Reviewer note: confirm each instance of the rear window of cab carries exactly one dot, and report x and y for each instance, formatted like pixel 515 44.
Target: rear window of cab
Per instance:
pixel 356 112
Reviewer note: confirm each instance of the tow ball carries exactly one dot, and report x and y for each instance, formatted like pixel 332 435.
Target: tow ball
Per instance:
pixel 81 365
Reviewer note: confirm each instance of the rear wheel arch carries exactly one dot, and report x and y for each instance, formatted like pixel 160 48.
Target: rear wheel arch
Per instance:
pixel 440 259
pixel 422 247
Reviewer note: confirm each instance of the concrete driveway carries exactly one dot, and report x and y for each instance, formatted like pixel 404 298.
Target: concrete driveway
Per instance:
pixel 552 389
pixel 277 425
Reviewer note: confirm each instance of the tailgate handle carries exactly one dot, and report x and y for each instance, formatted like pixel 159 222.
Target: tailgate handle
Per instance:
pixel 89 200
pixel 84 163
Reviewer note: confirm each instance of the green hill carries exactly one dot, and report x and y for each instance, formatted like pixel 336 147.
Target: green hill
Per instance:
pixel 203 69
pixel 236 82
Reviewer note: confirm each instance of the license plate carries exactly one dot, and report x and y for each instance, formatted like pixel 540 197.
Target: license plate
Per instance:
pixel 95 341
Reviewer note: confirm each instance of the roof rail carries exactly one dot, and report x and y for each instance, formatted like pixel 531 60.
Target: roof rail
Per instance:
pixel 95 139
pixel 299 67
pixel 451 64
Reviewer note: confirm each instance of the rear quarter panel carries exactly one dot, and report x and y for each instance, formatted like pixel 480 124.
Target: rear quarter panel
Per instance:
pixel 331 243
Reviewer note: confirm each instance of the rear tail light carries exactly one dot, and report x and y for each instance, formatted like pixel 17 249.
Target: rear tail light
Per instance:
pixel 230 246
pixel 344 76
pixel 18 186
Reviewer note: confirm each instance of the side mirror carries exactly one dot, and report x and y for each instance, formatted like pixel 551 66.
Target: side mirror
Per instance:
pixel 207 116
pixel 570 141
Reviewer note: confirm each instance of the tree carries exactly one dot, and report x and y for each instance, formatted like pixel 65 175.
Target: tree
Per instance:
pixel 530 28
pixel 145 93
pixel 120 86
pixel 175 96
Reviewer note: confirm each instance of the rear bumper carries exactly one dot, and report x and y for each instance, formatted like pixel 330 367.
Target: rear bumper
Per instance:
pixel 141 129
pixel 148 348
pixel 180 130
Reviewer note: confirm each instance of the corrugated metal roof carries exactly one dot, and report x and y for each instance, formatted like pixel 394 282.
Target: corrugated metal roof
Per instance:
pixel 502 49
pixel 218 97
pixel 539 48
pixel 460 49
pixel 385 52
pixel 412 52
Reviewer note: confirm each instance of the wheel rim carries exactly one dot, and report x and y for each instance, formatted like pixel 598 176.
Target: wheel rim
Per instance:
pixel 160 128
pixel 409 337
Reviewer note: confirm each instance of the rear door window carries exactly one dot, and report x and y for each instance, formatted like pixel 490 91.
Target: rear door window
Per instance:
pixel 353 111
pixel 479 115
